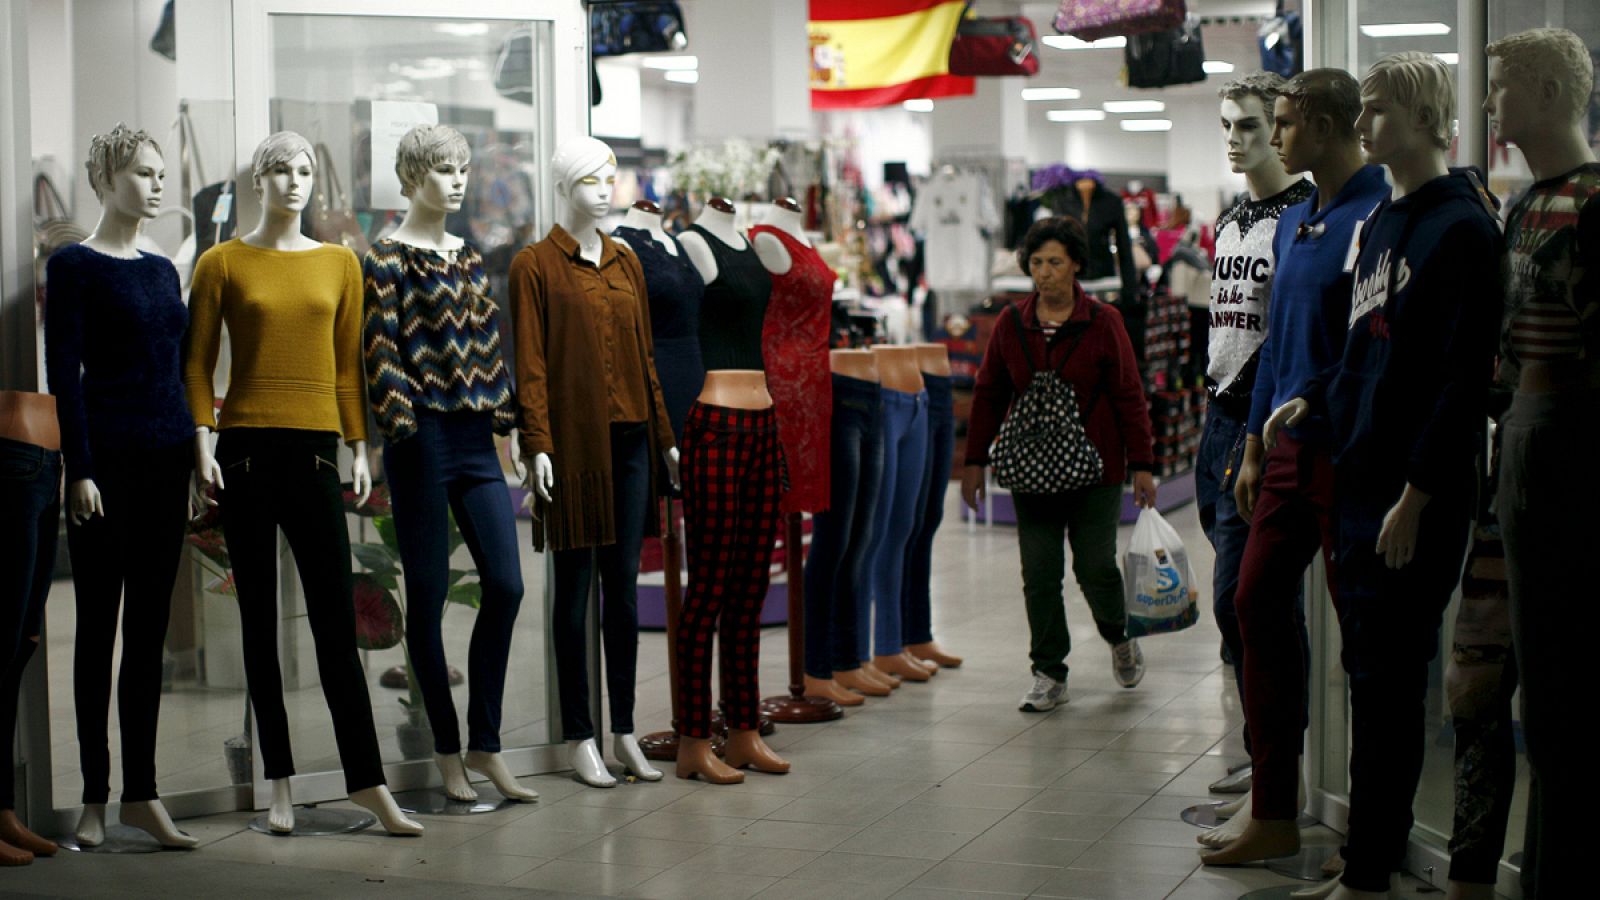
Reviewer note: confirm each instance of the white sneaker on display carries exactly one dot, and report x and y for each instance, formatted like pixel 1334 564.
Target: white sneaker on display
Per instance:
pixel 1045 695
pixel 1128 661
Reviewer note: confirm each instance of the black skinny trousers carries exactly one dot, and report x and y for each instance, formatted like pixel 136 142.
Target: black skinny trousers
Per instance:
pixel 30 507
pixel 279 478
pixel 127 558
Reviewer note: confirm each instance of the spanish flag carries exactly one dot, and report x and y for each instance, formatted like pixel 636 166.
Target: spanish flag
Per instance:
pixel 869 53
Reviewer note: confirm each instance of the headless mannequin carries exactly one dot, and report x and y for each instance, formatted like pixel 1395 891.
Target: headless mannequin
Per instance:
pixel 735 389
pixel 424 227
pixel 786 216
pixel 646 216
pixel 933 359
pixel 284 192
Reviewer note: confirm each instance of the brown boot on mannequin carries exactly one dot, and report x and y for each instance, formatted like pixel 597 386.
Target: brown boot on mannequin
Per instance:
pixel 857 680
pixel 930 652
pixel 1262 839
pixel 695 760
pixel 746 749
pixel 830 689
pixel 899 665
pixel 13 832
pixel 890 681
pixel 929 665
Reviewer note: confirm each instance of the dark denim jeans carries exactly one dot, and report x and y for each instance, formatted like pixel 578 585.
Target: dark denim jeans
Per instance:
pixel 905 450
pixel 449 466
pixel 619 608
pixel 30 496
pixel 1221 451
pixel 916 608
pixel 842 534
pixel 1086 519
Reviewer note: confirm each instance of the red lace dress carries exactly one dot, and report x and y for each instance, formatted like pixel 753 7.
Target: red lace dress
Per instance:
pixel 794 344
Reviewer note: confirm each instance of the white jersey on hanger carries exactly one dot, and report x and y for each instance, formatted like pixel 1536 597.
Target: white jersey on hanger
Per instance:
pixel 949 212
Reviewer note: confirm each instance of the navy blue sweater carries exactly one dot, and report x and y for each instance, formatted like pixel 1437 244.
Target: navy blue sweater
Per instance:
pixel 113 336
pixel 1311 297
pixel 1409 399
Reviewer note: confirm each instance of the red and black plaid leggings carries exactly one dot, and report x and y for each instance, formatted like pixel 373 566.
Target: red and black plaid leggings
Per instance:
pixel 732 470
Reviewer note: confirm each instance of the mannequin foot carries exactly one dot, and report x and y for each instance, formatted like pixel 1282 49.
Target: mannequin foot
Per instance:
pixel 493 767
pixel 16 835
pixel 151 817
pixel 746 749
pixel 625 747
pixel 695 760
pixel 280 816
pixel 378 801
pixel 91 825
pixel 455 777
pixel 856 680
pixel 1333 867
pixel 586 761
pixel 887 679
pixel 1261 840
pixel 898 665
pixel 930 652
pixel 830 689
pixel 14 856
pixel 927 665
pixel 1229 831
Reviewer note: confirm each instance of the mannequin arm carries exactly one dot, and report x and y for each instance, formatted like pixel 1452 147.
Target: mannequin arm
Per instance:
pixel 84 501
pixel 1397 539
pixel 671 456
pixel 774 256
pixel 360 473
pixel 206 470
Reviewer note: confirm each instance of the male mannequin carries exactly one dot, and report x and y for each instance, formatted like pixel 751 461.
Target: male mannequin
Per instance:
pixel 1539 93
pixel 1406 405
pixel 603 433
pixel 1314 132
pixel 293 310
pixel 439 389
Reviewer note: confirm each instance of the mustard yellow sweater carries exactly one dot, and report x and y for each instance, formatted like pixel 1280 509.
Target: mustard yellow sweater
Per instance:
pixel 294 325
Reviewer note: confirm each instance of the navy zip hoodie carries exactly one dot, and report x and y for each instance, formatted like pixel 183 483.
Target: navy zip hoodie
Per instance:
pixel 1408 401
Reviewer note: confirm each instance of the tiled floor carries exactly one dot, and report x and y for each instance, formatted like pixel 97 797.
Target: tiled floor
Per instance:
pixel 941 791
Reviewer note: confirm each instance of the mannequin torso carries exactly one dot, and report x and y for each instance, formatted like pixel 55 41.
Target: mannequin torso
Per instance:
pixel 716 218
pixel 860 364
pixel 644 220
pixel 898 368
pixel 933 359
pixel 784 215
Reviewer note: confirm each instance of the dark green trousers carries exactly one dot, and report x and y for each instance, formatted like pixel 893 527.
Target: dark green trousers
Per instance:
pixel 1087 519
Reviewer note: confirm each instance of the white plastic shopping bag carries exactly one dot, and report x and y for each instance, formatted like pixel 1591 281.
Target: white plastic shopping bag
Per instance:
pixel 1159 586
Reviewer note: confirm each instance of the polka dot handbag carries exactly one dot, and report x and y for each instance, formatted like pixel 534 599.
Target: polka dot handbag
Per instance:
pixel 1042 447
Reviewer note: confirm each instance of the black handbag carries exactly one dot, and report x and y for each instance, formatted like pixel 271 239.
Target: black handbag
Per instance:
pixel 994 46
pixel 1166 58
pixel 617 27
pixel 1042 447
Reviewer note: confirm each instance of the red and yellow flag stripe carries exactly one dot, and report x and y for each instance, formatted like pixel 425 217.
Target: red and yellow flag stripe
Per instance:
pixel 869 53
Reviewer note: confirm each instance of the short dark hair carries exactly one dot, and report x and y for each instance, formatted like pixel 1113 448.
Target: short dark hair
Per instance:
pixel 1264 86
pixel 1057 228
pixel 1333 93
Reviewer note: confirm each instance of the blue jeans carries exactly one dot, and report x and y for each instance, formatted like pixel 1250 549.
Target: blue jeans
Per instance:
pixel 905 449
pixel 1215 468
pixel 916 607
pixel 30 495
pixel 842 534
pixel 449 466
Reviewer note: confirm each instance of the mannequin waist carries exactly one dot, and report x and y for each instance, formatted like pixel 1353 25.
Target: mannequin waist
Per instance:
pixel 736 389
pixel 30 418
pixel 933 359
pixel 854 364
pixel 898 369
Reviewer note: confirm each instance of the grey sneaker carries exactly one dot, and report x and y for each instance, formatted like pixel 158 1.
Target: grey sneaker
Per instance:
pixel 1045 695
pixel 1128 662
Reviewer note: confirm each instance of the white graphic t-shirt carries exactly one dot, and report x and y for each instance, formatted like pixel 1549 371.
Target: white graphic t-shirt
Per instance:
pixel 949 211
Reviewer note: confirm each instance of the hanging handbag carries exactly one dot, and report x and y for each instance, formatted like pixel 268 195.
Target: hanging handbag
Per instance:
pixel 1002 45
pixel 1090 20
pixel 213 220
pixel 1165 58
pixel 334 219
pixel 635 26
pixel 1042 447
pixel 165 40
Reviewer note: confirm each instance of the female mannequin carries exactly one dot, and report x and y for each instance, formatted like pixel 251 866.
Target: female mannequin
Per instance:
pixel 113 330
pixel 916 613
pixel 439 389
pixel 733 469
pixel 594 419
pixel 293 310
pixel 675 289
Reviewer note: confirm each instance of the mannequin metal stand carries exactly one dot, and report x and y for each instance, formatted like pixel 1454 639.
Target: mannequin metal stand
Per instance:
pixel 663 745
pixel 309 821
pixel 435 802
pixel 119 839
pixel 798 707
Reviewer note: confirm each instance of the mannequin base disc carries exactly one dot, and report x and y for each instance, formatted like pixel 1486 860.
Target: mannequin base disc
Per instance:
pixel 1304 866
pixel 309 821
pixel 662 746
pixel 435 802
pixel 1203 815
pixel 1237 782
pixel 119 839
pixel 1281 892
pixel 800 710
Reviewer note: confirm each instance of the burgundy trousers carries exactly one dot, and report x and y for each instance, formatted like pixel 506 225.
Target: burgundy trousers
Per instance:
pixel 733 472
pixel 1294 516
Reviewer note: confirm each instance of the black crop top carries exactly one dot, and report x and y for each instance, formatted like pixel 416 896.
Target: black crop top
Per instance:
pixel 674 285
pixel 734 307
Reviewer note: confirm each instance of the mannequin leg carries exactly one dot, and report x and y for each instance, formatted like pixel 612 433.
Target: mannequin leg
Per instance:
pixel 619 571
pixel 1221 449
pixel 759 477
pixel 280 815
pixel 22 842
pixel 894 421
pixel 902 488
pixel 91 830
pixel 832 531
pixel 710 518
pixel 378 801
pixel 917 614
pixel 746 749
pixel 584 755
pixel 625 747
pixel 151 817
pixel 569 617
pixel 493 767
pixel 97 588
pixel 696 760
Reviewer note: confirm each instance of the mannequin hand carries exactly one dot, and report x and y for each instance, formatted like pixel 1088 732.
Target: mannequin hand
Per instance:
pixel 972 486
pixel 375 462
pixel 360 474
pixel 1286 416
pixel 1144 490
pixel 84 501
pixel 540 480
pixel 1247 485
pixel 672 468
pixel 517 465
pixel 1397 540
pixel 206 471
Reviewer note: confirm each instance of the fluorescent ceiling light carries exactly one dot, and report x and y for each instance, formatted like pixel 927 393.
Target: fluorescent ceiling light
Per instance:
pixel 1068 42
pixel 682 76
pixel 1405 29
pixel 1075 115
pixel 1449 59
pixel 922 105
pixel 1216 67
pixel 1057 93
pixel 1146 124
pixel 671 63
pixel 1133 106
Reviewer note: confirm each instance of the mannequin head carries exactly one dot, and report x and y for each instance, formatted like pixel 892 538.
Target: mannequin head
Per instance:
pixel 126 171
pixel 1247 118
pixel 585 172
pixel 431 162
pixel 1539 83
pixel 283 171
pixel 1315 116
pixel 1132 214
pixel 1408 107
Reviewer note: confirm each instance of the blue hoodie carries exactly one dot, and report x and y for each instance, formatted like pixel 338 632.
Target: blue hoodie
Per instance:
pixel 1315 249
pixel 1408 401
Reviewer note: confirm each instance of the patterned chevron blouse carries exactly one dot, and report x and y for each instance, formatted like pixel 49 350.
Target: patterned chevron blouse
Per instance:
pixel 431 338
